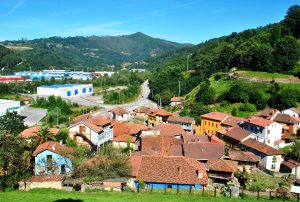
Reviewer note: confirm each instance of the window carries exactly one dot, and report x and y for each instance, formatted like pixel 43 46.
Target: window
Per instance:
pixel 90 89
pixel 273 166
pixel 76 92
pixel 274 159
pixel 49 160
pixel 82 129
pixel 169 186
pixel 68 93
pixel 268 131
pixel 63 169
pixel 251 128
pixel 84 90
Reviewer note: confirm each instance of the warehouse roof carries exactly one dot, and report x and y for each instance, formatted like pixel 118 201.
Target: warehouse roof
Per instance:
pixel 61 85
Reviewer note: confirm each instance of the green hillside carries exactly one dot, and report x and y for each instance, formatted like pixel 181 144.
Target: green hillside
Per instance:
pixel 94 52
pixel 273 48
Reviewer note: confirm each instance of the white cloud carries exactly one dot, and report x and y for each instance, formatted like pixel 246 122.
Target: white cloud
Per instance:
pixel 66 12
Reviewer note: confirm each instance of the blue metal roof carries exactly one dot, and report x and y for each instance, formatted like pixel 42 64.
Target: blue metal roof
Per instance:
pixel 61 85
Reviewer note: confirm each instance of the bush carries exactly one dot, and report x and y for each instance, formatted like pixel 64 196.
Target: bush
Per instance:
pixel 88 179
pixel 247 107
pixel 141 184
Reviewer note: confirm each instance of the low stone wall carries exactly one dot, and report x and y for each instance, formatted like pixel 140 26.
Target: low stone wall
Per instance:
pixel 48 184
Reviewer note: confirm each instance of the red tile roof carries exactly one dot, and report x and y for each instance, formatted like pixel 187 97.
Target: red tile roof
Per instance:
pixel 290 163
pixel 260 147
pixel 268 113
pixel 285 118
pixel 161 145
pixel 295 110
pixel 258 121
pixel 243 156
pixel 94 122
pixel 162 112
pixel 171 170
pixel 180 119
pixel 221 165
pixel 237 133
pixel 232 121
pixel 177 99
pixel 45 178
pixel 142 110
pixel 119 111
pixel 218 116
pixel 203 151
pixel 55 147
pixel 31 132
pixel 135 163
pixel 127 128
pixel 167 129
pixel 195 138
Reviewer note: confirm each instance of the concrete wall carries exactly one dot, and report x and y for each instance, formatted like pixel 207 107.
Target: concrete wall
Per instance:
pixel 33 185
pixel 57 161
pixel 66 91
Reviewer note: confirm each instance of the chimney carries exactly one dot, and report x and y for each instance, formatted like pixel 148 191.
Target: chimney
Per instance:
pixel 61 142
pixel 53 147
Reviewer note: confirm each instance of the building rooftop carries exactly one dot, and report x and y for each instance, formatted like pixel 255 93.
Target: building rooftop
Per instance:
pixel 61 85
pixel 261 147
pixel 3 101
pixel 258 121
pixel 218 116
pixel 237 133
pixel 222 165
pixel 203 151
pixel 32 132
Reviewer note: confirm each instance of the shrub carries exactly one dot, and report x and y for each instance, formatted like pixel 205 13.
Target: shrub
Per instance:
pixel 88 179
pixel 141 184
pixel 247 107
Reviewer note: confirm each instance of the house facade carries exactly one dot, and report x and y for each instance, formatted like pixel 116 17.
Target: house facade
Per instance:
pixel 91 131
pixel 234 136
pixel 186 123
pixel 270 158
pixel 119 114
pixel 211 122
pixel 265 131
pixel 157 116
pixel 293 112
pixel 289 123
pixel 49 159
pixel 175 101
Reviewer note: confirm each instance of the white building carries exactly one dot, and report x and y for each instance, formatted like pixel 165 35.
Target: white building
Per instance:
pixel 119 114
pixel 9 105
pixel 265 131
pixel 293 112
pixel 66 90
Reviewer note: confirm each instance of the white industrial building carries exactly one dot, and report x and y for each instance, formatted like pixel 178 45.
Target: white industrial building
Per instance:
pixel 9 105
pixel 66 90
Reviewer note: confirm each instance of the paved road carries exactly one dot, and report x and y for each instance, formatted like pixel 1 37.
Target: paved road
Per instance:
pixel 32 115
pixel 142 101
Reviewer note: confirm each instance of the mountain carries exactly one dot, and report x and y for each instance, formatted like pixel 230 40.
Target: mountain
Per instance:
pixel 94 52
pixel 272 48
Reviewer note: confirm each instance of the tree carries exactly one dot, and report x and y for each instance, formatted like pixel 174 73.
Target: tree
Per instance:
pixel 234 112
pixel 43 135
pixel 13 162
pixel 292 20
pixel 12 123
pixel 295 150
pixel 288 98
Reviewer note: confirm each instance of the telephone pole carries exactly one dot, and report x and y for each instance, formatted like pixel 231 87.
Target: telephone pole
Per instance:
pixel 56 116
pixel 187 62
pixel 179 88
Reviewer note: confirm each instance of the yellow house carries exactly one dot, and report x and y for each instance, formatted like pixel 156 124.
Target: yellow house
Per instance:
pixel 157 116
pixel 211 122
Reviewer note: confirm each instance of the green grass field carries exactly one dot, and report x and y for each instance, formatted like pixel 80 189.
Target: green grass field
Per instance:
pixel 228 109
pixel 262 75
pixel 46 195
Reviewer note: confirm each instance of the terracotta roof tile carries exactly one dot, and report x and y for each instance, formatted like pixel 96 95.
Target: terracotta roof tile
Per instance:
pixel 295 110
pixel 135 163
pixel 177 99
pixel 258 121
pixel 31 132
pixel 290 163
pixel 243 156
pixel 162 112
pixel 203 151
pixel 260 147
pixel 180 119
pixel 238 133
pixel 222 165
pixel 268 113
pixel 195 138
pixel 142 110
pixel 45 178
pixel 232 121
pixel 119 111
pixel 218 116
pixel 94 122
pixel 171 170
pixel 285 118
pixel 161 145
pixel 55 147
pixel 167 129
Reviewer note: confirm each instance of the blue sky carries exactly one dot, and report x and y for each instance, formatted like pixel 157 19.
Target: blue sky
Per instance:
pixel 192 21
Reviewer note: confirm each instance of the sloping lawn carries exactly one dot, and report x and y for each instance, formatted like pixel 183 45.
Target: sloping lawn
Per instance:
pixel 56 195
pixel 266 75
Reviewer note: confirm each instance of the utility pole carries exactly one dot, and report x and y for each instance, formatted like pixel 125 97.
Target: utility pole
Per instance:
pixel 187 62
pixel 179 88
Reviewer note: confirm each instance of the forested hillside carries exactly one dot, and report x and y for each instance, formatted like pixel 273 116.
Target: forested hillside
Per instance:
pixel 273 48
pixel 94 52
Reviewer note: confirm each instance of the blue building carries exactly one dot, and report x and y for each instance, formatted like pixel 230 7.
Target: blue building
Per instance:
pixel 52 158
pixel 163 172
